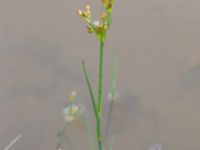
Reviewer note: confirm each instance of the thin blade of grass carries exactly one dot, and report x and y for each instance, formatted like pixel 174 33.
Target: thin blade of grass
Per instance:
pixel 112 143
pixel 64 139
pixel 12 142
pixel 90 89
pixel 113 93
pixel 112 100
pixel 114 74
pixel 68 144
pixel 89 131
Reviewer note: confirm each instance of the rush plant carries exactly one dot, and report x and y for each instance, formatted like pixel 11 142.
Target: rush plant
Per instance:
pixel 100 28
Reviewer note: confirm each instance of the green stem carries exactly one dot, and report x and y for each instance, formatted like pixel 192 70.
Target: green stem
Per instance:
pixel 89 130
pixel 99 133
pixel 100 85
pixel 100 92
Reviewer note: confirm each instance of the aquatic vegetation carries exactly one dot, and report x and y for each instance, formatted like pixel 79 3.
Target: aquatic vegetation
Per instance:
pixel 75 110
pixel 112 96
pixel 100 28
pixel 72 111
pixel 95 26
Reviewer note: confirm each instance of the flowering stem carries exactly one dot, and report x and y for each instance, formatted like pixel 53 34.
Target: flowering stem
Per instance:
pixel 100 85
pixel 100 92
pixel 100 29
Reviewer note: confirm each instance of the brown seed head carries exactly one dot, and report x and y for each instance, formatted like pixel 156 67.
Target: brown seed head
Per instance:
pixel 80 12
pixel 87 7
pixel 90 29
pixel 104 2
pixel 86 13
pixel 103 16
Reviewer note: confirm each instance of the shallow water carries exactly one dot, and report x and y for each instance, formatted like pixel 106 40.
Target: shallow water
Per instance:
pixel 42 44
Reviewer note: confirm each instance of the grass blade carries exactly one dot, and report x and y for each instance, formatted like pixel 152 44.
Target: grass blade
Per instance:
pixel 90 89
pixel 64 139
pixel 111 144
pixel 12 142
pixel 114 74
pixel 89 131
pixel 113 97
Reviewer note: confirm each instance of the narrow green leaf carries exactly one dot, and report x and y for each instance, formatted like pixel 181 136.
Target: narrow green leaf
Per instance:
pixel 114 73
pixel 90 89
pixel 111 144
pixel 90 132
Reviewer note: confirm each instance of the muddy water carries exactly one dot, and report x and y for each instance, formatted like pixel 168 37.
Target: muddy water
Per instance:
pixel 42 44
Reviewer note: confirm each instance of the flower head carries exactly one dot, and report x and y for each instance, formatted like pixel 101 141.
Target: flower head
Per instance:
pixel 86 14
pixel 72 111
pixel 96 23
pixel 108 4
pixel 98 27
